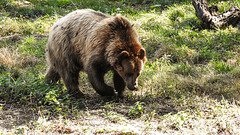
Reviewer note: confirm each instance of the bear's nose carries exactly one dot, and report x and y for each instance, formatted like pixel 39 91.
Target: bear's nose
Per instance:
pixel 133 87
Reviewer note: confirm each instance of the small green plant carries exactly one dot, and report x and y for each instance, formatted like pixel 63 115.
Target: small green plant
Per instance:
pixel 184 69
pixel 222 67
pixel 114 117
pixel 176 15
pixel 109 106
pixel 51 97
pixel 137 110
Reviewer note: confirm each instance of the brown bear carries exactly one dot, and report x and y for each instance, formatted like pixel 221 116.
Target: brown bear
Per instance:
pixel 90 41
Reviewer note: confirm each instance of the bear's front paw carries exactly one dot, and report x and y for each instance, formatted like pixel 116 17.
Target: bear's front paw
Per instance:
pixel 107 91
pixel 120 95
pixel 76 93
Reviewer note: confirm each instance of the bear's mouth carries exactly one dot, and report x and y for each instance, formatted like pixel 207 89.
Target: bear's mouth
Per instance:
pixel 133 88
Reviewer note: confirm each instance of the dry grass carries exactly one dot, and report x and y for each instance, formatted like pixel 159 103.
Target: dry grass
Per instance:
pixel 8 58
pixel 13 58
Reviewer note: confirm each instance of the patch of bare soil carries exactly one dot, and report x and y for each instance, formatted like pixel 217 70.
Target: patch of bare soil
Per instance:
pixel 12 116
pixel 99 115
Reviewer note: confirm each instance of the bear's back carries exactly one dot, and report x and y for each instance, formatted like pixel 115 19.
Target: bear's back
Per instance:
pixel 83 17
pixel 77 21
pixel 73 29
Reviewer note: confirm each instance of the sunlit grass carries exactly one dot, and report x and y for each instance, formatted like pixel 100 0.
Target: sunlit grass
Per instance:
pixel 12 26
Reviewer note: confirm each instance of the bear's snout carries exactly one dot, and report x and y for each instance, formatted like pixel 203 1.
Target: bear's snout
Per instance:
pixel 133 87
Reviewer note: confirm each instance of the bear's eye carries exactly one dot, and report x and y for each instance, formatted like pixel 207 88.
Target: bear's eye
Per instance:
pixel 129 74
pixel 138 74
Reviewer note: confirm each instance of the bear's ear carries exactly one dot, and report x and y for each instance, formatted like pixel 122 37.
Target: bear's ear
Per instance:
pixel 123 55
pixel 142 53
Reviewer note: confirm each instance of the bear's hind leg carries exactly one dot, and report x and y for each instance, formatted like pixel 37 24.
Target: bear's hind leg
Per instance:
pixel 52 76
pixel 119 84
pixel 71 82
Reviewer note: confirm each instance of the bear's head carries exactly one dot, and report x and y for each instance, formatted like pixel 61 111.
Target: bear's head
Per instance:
pixel 130 66
pixel 130 55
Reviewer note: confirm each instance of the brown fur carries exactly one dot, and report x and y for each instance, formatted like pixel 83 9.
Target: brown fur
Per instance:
pixel 90 41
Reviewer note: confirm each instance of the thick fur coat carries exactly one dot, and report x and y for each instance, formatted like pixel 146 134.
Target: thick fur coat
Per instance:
pixel 90 41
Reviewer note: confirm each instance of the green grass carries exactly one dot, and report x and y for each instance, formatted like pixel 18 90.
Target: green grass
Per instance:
pixel 190 83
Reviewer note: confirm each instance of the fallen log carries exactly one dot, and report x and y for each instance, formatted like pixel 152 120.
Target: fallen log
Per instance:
pixel 211 20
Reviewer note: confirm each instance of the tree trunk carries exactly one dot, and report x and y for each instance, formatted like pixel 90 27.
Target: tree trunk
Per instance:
pixel 211 20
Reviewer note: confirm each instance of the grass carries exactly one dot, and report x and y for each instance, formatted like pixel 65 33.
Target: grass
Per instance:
pixel 190 84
